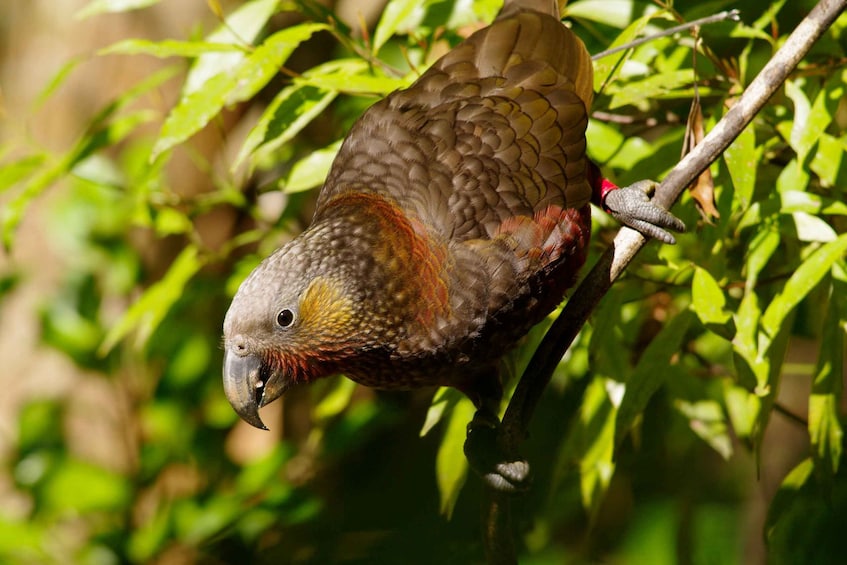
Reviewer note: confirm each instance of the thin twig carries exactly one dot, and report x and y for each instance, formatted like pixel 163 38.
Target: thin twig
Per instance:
pixel 628 242
pixel 732 15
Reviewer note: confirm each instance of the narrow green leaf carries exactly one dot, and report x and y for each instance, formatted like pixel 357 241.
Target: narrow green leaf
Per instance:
pixel 742 158
pixel 743 408
pixel 19 169
pixel 812 228
pixel 310 171
pixel 451 466
pixel 707 420
pixel 761 249
pixel 242 28
pixel 268 58
pixel 707 299
pixel 145 315
pixel 167 48
pixel 830 159
pixel 56 81
pixel 651 371
pixel 591 443
pixel 810 120
pixel 615 13
pixel 395 15
pixel 635 92
pixel 799 201
pixel 825 430
pixel 794 176
pixel 97 7
pixel 336 401
pixel 194 111
pixel 801 283
pixel 292 110
pixel 605 68
pixel 442 403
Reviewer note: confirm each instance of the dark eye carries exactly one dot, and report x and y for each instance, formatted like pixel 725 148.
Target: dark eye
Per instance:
pixel 285 318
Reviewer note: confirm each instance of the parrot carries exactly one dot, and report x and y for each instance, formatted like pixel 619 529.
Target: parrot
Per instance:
pixel 454 217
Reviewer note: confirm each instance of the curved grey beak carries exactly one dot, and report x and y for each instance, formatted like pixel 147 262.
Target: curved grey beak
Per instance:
pixel 244 385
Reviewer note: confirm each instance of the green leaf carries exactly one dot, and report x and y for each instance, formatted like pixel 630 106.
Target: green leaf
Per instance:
pixel 811 119
pixel 708 300
pixel 812 228
pixel 335 401
pixel 743 408
pixel 167 48
pixel 19 169
pixel 311 170
pixel 761 249
pixel 636 92
pixel 395 15
pixel 242 27
pixel 825 431
pixel 443 401
pixel 742 159
pixel 591 443
pixel 651 371
pixel 83 488
pixel 97 7
pixel 145 315
pixel 451 466
pixel 830 159
pixel 195 110
pixel 707 420
pixel 267 58
pixel 801 283
pixel 605 68
pixel 615 13
pixel 289 112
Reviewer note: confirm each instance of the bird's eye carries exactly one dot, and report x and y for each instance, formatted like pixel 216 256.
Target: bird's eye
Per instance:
pixel 285 318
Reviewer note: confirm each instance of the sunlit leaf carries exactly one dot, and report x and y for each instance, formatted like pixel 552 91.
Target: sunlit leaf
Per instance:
pixel 707 420
pixel 743 408
pixel 742 158
pixel 336 400
pixel 291 110
pixel 812 228
pixel 825 430
pixel 394 16
pixel 145 315
pixel 167 48
pixel 636 92
pixel 96 7
pixel 195 110
pixel 311 170
pixel 801 283
pixel 19 169
pixel 242 28
pixel 451 466
pixel 708 299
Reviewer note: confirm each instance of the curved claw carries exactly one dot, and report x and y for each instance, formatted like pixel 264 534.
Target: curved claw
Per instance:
pixel 632 207
pixel 497 471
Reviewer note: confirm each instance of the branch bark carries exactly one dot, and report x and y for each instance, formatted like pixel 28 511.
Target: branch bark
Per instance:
pixel 628 242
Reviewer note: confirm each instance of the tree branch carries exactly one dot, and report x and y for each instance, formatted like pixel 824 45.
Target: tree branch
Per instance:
pixel 628 242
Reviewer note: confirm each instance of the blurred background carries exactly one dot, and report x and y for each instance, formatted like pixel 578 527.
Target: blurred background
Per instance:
pixel 116 443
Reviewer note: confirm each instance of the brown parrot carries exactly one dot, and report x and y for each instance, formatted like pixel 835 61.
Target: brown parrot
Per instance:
pixel 454 218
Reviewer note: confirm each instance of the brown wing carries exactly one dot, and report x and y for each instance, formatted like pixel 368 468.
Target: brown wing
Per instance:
pixel 493 130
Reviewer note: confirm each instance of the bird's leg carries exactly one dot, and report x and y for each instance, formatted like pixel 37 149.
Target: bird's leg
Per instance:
pixel 499 470
pixel 632 206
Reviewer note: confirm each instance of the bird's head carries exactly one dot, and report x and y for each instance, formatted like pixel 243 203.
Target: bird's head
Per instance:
pixel 291 321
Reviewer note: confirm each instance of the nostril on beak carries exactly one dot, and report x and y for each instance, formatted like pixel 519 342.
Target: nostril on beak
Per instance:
pixel 238 345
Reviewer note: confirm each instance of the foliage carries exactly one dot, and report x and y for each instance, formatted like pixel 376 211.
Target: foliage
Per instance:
pixel 639 447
